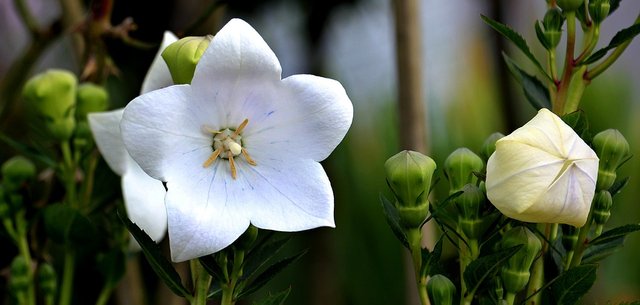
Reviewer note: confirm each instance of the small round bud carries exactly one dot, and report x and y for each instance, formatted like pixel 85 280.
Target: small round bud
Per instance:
pixel 246 240
pixel 441 290
pixel 16 171
pixel 52 97
pixel 459 168
pixel 183 55
pixel 91 98
pixel 47 280
pixel 569 5
pixel 602 204
pixel 569 236
pixel 515 273
pixel 489 145
pixel 599 10
pixel 611 147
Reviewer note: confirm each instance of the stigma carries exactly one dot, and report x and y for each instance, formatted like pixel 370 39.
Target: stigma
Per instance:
pixel 227 144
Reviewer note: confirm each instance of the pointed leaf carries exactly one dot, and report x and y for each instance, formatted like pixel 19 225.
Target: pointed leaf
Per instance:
pixel 251 285
pixel 209 264
pixel 486 266
pixel 162 267
pixel 618 185
pixel 615 233
pixel 517 39
pixel 534 90
pixel 31 152
pixel 613 6
pixel 571 285
pixel 541 38
pixel 621 37
pixel 276 299
pixel 259 256
pixel 431 260
pixel 391 214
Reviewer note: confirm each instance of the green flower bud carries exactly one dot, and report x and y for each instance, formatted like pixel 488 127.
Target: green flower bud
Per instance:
pixel 91 98
pixel 16 171
pixel 459 167
pixel 183 55
pixel 569 5
pixel 602 204
pixel 470 204
pixel 612 148
pixel 569 236
pixel 19 281
pixel 409 175
pixel 246 240
pixel 515 273
pixel 441 290
pixel 489 145
pixel 52 97
pixel 599 10
pixel 47 281
pixel 552 23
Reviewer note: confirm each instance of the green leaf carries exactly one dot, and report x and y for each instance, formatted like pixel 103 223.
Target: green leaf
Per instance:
pixel 615 233
pixel 33 153
pixel 431 260
pixel 252 284
pixel 152 252
pixel 621 37
pixel 608 243
pixel 541 38
pixel 534 90
pixel 65 224
pixel 211 266
pixel 578 121
pixel 391 214
pixel 276 299
pixel 486 266
pixel 571 285
pixel 618 185
pixel 112 266
pixel 262 253
pixel 517 39
pixel 613 6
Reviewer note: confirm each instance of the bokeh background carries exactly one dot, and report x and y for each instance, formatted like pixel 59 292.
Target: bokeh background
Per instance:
pixel 468 95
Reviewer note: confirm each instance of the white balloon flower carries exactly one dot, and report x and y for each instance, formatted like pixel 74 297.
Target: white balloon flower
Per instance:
pixel 143 195
pixel 543 172
pixel 239 145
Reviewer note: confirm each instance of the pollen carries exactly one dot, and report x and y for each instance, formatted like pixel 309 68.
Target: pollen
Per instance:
pixel 227 145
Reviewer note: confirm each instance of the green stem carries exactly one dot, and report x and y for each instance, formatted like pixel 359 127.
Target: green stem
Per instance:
pixel 592 41
pixel 581 243
pixel 605 64
pixel 414 237
pixel 558 106
pixel 510 298
pixel 104 296
pixel 467 255
pixel 27 18
pixel 23 248
pixel 67 277
pixel 69 173
pixel 228 289
pixel 201 283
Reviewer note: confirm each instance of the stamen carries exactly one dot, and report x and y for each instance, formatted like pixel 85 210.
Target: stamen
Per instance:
pixel 208 129
pixel 212 158
pixel 240 128
pixel 232 164
pixel 246 156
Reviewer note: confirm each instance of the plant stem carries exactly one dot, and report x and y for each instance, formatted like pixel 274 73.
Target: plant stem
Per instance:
pixel 558 105
pixel 104 296
pixel 414 237
pixel 67 277
pixel 228 289
pixel 467 254
pixel 510 298
pixel 23 248
pixel 201 283
pixel 69 173
pixel 605 64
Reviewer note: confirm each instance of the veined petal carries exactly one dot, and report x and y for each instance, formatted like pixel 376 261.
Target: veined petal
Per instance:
pixel 161 127
pixel 158 75
pixel 105 127
pixel 144 201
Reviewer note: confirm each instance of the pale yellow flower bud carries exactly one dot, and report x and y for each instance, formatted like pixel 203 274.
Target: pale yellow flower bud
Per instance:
pixel 543 172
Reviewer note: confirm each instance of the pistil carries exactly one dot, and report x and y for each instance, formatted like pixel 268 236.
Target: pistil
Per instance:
pixel 227 143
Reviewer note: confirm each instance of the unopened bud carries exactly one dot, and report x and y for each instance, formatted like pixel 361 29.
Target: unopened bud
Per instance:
pixel 515 273
pixel 91 98
pixel 52 97
pixel 569 236
pixel 569 5
pixel 183 55
pixel 459 168
pixel 19 281
pixel 409 175
pixel 552 24
pixel 489 145
pixel 612 148
pixel 47 281
pixel 440 290
pixel 599 10
pixel 602 204
pixel 470 204
pixel 16 171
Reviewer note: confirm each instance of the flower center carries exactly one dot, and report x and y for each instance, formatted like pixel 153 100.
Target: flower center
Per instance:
pixel 227 143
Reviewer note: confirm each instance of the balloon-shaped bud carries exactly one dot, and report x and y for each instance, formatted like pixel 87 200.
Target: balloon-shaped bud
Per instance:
pixel 599 10
pixel 47 281
pixel 552 24
pixel 470 204
pixel 569 237
pixel 409 175
pixel 17 170
pixel 489 145
pixel 569 5
pixel 441 290
pixel 91 98
pixel 515 272
pixel 183 55
pixel 459 168
pixel 52 98
pixel 19 281
pixel 602 204
pixel 543 172
pixel 612 148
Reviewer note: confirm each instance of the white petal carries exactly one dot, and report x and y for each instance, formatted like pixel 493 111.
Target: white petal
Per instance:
pixel 158 75
pixel 105 127
pixel 144 201
pixel 161 127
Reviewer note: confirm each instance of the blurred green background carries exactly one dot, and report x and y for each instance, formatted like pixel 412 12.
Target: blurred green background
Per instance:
pixel 468 96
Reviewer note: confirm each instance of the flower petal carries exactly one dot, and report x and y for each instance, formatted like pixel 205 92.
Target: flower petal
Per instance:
pixel 158 75
pixel 160 127
pixel 105 127
pixel 144 201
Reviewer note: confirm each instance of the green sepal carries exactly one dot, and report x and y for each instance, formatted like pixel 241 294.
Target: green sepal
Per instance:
pixel 393 219
pixel 578 121
pixel 535 92
pixel 619 38
pixel 487 266
pixel 570 286
pixel 275 299
pixel 152 252
pixel 65 224
pixel 517 39
pixel 254 282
